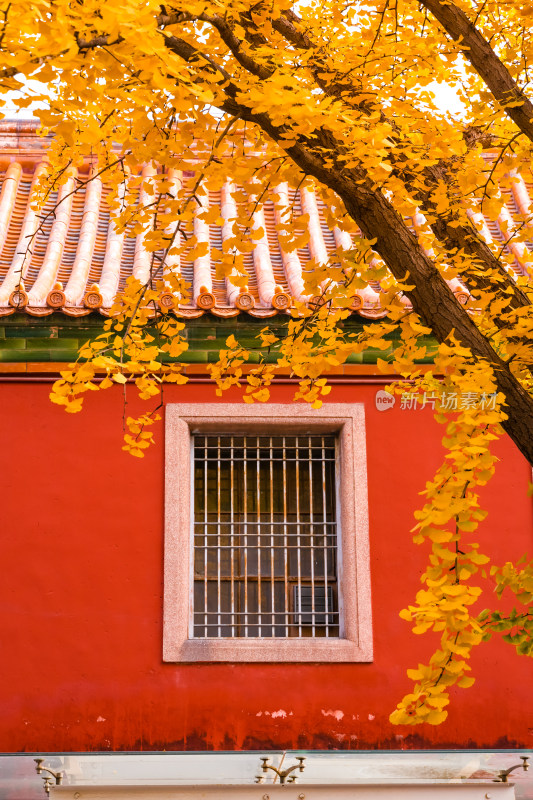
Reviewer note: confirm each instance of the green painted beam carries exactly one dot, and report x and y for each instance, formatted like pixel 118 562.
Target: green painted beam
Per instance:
pixel 26 339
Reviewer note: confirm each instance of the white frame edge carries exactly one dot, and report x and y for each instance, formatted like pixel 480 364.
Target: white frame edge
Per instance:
pixel 346 419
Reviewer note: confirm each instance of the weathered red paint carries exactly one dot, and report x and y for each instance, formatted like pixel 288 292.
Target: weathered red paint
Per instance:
pixel 81 614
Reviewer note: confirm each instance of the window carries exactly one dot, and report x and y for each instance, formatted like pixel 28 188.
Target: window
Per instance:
pixel 265 536
pixel 266 542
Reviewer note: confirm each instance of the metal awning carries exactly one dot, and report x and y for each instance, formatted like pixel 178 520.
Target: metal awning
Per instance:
pixel 327 775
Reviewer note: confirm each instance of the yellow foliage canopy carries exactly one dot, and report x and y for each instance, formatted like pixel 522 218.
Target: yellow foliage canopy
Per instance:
pixel 341 98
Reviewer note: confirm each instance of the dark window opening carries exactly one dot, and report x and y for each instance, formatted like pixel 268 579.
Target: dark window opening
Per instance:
pixel 265 536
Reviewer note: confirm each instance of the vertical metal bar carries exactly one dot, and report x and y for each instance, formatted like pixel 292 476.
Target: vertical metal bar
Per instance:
pixel 219 544
pixel 245 528
pixel 298 534
pixel 258 528
pixel 192 560
pixel 311 537
pixel 272 544
pixel 206 631
pixel 285 541
pixel 232 534
pixel 325 532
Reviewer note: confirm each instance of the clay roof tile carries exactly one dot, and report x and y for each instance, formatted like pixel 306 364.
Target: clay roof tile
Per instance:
pixel 72 258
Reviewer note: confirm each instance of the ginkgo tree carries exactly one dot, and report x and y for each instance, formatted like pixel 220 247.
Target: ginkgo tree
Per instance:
pixel 335 96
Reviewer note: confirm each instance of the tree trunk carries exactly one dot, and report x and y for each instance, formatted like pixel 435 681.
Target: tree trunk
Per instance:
pixel 431 296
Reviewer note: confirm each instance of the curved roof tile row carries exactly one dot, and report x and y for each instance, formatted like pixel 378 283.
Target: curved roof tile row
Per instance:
pixel 79 261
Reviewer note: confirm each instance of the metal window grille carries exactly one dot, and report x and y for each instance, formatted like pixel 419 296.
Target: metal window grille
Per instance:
pixel 265 536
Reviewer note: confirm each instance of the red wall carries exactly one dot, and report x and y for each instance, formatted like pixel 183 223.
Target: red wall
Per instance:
pixel 81 600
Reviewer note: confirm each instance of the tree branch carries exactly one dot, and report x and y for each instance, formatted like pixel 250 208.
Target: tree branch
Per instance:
pixel 489 67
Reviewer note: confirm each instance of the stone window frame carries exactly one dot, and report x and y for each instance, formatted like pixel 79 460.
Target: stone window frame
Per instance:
pixel 347 421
